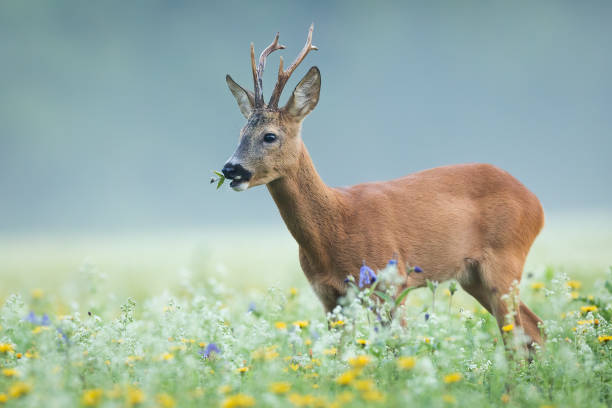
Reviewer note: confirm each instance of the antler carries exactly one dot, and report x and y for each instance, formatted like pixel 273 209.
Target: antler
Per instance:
pixel 283 76
pixel 258 72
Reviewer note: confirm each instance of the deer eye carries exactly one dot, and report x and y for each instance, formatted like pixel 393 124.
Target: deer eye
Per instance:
pixel 269 137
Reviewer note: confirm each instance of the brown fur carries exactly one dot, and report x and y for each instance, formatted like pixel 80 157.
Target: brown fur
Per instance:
pixel 471 222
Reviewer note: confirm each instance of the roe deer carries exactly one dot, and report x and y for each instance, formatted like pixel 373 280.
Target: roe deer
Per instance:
pixel 471 222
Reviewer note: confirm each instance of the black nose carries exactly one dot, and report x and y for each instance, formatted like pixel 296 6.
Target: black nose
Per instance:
pixel 232 171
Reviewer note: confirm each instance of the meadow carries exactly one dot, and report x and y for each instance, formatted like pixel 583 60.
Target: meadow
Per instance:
pixel 184 319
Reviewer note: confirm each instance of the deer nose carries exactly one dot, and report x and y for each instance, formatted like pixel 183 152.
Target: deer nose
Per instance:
pixel 236 171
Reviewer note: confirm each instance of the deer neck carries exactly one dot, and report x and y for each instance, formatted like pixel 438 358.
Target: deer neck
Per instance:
pixel 307 205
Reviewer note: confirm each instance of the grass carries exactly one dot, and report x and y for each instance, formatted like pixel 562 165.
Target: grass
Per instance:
pixel 127 329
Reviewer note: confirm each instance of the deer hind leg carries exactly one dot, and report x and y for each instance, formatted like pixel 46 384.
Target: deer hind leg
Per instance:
pixel 488 281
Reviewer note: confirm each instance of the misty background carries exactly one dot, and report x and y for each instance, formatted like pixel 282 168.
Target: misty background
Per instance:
pixel 113 114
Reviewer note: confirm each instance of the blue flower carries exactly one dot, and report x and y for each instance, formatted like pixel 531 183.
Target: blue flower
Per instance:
pixel 366 275
pixel 43 321
pixel 426 316
pixel 210 348
pixel 392 262
pixel 252 307
pixel 417 269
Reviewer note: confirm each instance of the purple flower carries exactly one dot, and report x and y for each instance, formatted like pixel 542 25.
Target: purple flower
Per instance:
pixel 417 269
pixel 426 316
pixel 43 321
pixel 392 262
pixel 366 275
pixel 210 348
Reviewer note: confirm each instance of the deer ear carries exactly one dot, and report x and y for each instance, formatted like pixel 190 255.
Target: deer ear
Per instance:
pixel 306 95
pixel 245 99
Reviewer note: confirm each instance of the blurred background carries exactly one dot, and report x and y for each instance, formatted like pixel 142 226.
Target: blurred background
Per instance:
pixel 113 115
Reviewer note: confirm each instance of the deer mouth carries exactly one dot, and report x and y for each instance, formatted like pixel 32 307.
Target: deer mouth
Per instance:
pixel 240 182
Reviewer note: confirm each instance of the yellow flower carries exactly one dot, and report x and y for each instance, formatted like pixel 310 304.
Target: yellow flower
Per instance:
pixel 238 400
pixel 3 398
pixel 279 387
pixel 202 344
pixel 18 389
pixel 39 329
pixel 242 370
pixel 301 323
pixel 337 323
pixel 293 292
pixel 306 400
pixel 604 339
pixel 587 309
pixel 6 348
pixel 165 401
pixel 18 355
pixel 37 293
pixel 508 327
pixel 167 356
pixel 449 399
pixel 330 351
pixel 362 342
pixel 574 284
pixel 505 398
pixel 346 378
pixel 537 285
pixel 359 361
pixel 135 396
pixel 92 397
pixel 574 295
pixel 452 378
pixel 294 367
pixel 10 372
pixel 590 321
pixel 373 396
pixel 280 325
pixel 344 397
pixel 406 362
pixel 364 385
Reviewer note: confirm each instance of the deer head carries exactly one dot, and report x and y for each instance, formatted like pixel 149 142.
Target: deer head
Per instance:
pixel 270 142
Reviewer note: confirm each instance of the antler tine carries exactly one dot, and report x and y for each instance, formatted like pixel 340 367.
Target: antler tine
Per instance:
pixel 258 72
pixel 283 76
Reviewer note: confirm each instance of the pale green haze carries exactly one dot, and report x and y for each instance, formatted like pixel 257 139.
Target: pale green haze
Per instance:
pixel 113 115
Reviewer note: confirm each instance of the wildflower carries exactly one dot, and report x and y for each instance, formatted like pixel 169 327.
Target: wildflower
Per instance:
pixel 362 342
pixel 279 387
pixel 293 292
pixel 373 396
pixel 305 400
pixel 209 350
pixel 346 378
pixel 587 309
pixel 359 361
pixel 242 370
pixel 505 398
pixel 604 339
pixel 3 398
pixel 537 285
pixel 590 321
pixel 37 293
pixel 167 356
pixel 224 389
pixel 344 397
pixel 92 397
pixel 10 372
pixel 406 362
pixel 294 366
pixel 301 323
pixel 18 355
pixel 280 325
pixel 364 385
pixel 508 328
pixel 165 401
pixel 238 400
pixel 574 284
pixel 452 378
pixel 7 348
pixel 574 295
pixel 449 399
pixel 135 396
pixel 337 323
pixel 417 269
pixel 366 275
pixel 330 351
pixel 392 262
pixel 19 389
